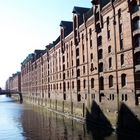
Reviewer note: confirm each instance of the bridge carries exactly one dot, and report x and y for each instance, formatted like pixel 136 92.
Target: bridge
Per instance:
pixel 10 93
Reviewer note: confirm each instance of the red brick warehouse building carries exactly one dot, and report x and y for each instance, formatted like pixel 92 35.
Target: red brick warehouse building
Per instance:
pixel 95 58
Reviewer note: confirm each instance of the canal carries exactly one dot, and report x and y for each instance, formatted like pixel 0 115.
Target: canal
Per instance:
pixel 27 122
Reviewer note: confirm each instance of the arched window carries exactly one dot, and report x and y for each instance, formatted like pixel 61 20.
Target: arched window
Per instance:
pixel 134 7
pixel 92 82
pixel 110 81
pixel 136 23
pixel 123 80
pixel 110 62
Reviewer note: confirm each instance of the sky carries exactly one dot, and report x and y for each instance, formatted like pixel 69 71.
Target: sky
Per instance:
pixel 26 25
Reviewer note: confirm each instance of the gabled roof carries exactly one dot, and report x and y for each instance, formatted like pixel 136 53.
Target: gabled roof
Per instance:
pixel 56 41
pixel 105 2
pixel 80 10
pixel 68 25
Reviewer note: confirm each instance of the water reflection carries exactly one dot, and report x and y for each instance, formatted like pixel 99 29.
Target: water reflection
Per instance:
pixel 26 122
pixel 10 126
pixel 45 125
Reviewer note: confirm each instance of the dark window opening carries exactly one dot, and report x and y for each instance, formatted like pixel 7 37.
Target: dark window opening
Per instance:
pixel 100 54
pixel 77 62
pixel 122 59
pixel 123 80
pixel 137 58
pixel 77 52
pixel 78 72
pixel 91 56
pixel 84 83
pixel 92 83
pixel 101 83
pixel 110 62
pixel 78 97
pixel 110 81
pixel 137 40
pixel 64 95
pixel 64 86
pixel 101 67
pixel 109 49
pixel 99 41
pixel 78 85
pixel 83 69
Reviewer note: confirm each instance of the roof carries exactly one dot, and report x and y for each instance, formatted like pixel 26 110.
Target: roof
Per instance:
pixel 80 10
pixel 105 2
pixel 56 41
pixel 68 25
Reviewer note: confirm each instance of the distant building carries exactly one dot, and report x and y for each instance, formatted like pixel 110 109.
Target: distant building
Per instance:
pixel 14 82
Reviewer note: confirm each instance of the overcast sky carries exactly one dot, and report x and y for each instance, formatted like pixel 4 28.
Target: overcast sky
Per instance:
pixel 26 25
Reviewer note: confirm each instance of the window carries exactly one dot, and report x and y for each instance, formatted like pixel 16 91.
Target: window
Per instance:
pixel 99 41
pixel 77 52
pixel 98 28
pixel 72 72
pixel 121 44
pixel 123 80
pixel 68 85
pixel 110 62
pixel 122 59
pixel 100 54
pixel 73 84
pixel 84 83
pixel 83 69
pixel 64 86
pixel 92 82
pixel 64 76
pixel 109 49
pixel 83 58
pixel 137 58
pixel 77 62
pixel 60 86
pixel 63 67
pixel 134 7
pixel 119 13
pixel 110 81
pixel 78 72
pixel 63 58
pixel 91 56
pixel 137 40
pixel 101 83
pixel 78 97
pixel 136 23
pixel 78 85
pixel 90 37
pixel 101 67
pixel 92 68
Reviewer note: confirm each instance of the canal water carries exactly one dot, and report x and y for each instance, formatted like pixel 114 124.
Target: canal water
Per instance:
pixel 27 122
